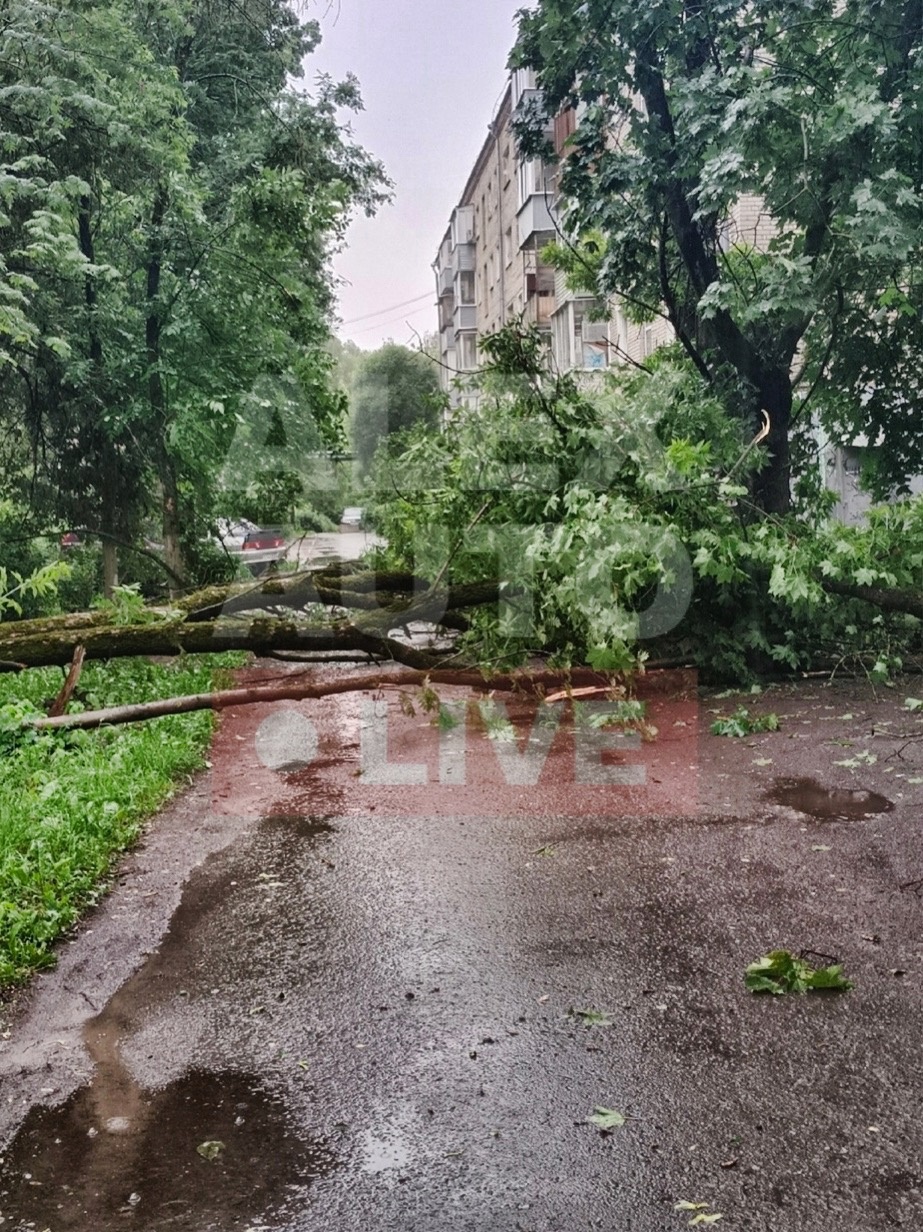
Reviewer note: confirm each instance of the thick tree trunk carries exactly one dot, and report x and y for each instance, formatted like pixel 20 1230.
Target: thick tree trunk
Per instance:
pixel 110 568
pixel 772 487
pixel 230 618
pixel 157 396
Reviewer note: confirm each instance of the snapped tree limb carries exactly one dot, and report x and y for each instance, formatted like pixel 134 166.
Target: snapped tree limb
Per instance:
pixel 312 613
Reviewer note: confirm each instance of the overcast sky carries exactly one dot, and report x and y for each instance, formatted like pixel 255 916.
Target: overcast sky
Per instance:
pixel 432 73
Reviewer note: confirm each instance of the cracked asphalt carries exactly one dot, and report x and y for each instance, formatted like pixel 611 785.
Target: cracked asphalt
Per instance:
pixel 313 1002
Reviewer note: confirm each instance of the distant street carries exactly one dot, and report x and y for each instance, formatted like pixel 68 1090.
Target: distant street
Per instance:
pixel 312 550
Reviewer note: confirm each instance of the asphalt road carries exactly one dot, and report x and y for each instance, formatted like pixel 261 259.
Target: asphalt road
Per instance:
pixel 314 1002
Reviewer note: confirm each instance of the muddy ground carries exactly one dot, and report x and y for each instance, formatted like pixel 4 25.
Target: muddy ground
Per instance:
pixel 318 1001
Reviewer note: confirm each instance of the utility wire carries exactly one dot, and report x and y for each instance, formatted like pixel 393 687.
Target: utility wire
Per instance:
pixel 393 320
pixel 391 308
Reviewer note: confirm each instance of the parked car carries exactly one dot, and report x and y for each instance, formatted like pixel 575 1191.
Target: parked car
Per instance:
pixel 71 540
pixel 257 546
pixel 353 518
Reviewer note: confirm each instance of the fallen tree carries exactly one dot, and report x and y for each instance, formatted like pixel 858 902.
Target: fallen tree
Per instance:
pixel 322 612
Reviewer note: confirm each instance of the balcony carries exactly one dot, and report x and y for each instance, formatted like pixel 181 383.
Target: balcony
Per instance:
pixel 528 102
pixel 447 339
pixel 466 316
pixel 462 228
pixel 445 280
pixel 465 258
pixel 534 215
pixel 539 308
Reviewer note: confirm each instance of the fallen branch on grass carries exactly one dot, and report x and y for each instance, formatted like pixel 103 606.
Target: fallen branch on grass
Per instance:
pixel 306 686
pixel 313 613
pixel 59 705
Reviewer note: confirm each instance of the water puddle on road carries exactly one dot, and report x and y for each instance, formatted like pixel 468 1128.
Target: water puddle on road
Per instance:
pixel 117 1154
pixel 116 1157
pixel 827 803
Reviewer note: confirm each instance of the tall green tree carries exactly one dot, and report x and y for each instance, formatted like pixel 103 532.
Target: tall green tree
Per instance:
pixel 172 201
pixel 393 389
pixel 813 106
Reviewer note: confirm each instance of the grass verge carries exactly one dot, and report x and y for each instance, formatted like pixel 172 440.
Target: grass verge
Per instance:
pixel 72 801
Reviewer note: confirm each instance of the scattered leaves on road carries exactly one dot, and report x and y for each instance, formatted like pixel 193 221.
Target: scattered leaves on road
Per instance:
pixel 780 972
pixel 863 758
pixel 742 723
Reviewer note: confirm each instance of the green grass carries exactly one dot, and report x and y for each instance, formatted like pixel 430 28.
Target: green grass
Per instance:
pixel 70 802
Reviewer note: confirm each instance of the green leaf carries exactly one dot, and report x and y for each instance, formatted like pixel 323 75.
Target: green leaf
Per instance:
pixel 592 1018
pixel 741 723
pixel 781 972
pixel 606 1119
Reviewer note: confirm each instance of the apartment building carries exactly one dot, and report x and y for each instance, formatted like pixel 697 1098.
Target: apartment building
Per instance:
pixel 489 272
pixel 488 268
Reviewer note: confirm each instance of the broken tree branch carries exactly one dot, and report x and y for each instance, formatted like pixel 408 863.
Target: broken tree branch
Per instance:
pixel 59 705
pixel 305 686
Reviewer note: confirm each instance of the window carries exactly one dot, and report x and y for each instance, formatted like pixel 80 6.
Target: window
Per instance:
pixel 467 352
pixel 466 287
pixel 508 241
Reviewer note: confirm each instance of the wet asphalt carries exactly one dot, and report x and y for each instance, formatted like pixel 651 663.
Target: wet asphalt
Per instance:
pixel 305 1006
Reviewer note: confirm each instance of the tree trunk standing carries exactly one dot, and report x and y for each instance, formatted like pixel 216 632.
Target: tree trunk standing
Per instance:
pixel 172 546
pixel 110 568
pixel 772 486
pixel 166 471
pixel 109 460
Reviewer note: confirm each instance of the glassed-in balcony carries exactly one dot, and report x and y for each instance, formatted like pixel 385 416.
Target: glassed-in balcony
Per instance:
pixel 466 316
pixel 535 215
pixel 465 258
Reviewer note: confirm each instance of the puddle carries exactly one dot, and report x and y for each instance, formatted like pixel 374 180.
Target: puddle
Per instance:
pixel 827 803
pixel 299 825
pixel 120 1154
pixel 75 1168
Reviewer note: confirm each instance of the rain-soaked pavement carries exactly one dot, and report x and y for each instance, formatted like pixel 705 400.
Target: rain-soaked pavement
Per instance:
pixel 317 1002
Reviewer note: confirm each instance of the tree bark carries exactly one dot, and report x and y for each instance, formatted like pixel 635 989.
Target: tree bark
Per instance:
pixel 306 686
pixel 772 486
pixel 110 568
pixel 157 398
pixel 59 705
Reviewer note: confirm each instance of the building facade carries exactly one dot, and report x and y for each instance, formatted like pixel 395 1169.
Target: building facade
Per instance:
pixel 489 272
pixel 488 269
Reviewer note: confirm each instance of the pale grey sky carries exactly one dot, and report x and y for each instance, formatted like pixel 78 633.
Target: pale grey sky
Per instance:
pixel 432 73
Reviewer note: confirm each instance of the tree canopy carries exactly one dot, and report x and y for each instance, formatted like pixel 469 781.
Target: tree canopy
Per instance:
pixel 169 202
pixel 811 108
pixel 393 389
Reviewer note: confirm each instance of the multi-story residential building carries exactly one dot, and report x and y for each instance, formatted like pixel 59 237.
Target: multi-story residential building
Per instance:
pixel 489 271
pixel 489 268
